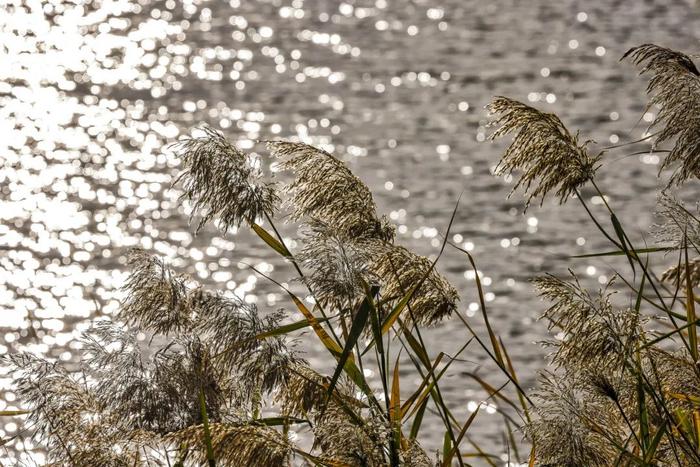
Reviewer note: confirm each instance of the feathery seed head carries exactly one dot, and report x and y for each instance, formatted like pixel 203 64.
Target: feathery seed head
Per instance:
pixel 304 393
pixel 341 437
pixel 222 182
pixel 155 392
pixel 338 266
pixel 156 298
pixel 236 445
pixel 565 426
pixel 400 269
pixel 679 225
pixel 549 157
pixel 675 87
pixel 596 335
pixel 326 190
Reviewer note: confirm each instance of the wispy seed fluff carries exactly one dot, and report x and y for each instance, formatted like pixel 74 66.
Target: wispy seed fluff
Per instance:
pixel 565 425
pixel 675 87
pixel 400 269
pixel 222 182
pixel 595 334
pixel 678 224
pixel 548 155
pixel 156 298
pixel 326 190
pixel 237 445
pixel 338 266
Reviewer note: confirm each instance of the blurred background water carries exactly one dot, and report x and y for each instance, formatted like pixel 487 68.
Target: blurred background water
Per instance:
pixel 92 92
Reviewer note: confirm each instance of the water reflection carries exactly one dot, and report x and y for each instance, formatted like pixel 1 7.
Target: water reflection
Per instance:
pixel 92 93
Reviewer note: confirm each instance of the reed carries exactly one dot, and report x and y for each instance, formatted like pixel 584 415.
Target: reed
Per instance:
pixel 622 386
pixel 220 381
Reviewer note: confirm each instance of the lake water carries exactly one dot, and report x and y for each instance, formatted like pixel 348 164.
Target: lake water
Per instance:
pixel 91 93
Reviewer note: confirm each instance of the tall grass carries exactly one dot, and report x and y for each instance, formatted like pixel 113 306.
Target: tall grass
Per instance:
pixel 221 382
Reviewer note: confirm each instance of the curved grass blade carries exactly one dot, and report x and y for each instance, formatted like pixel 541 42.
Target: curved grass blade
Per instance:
pixel 358 325
pixel 14 413
pixel 207 432
pixel 418 419
pixel 622 252
pixel 447 461
pixel 281 421
pixel 291 327
pixel 271 241
pixel 619 231
pixel 690 309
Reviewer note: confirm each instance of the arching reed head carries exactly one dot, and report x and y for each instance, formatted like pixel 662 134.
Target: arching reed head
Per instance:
pixel 675 87
pixel 595 335
pixel 399 269
pixel 548 155
pixel 68 419
pixel 305 392
pixel 222 183
pixel 326 190
pixel 679 225
pixel 348 442
pixel 148 390
pixel 566 425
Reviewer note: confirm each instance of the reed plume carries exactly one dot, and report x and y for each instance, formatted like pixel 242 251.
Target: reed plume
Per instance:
pixel 154 393
pixel 327 191
pixel 548 155
pixel 341 432
pixel 68 418
pixel 222 182
pixel 675 87
pixel 349 441
pixel 571 427
pixel 156 297
pixel 595 334
pixel 305 392
pixel 679 225
pixel 400 269
pixel 338 266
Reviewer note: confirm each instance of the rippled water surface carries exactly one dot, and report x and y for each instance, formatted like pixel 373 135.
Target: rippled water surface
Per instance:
pixel 92 93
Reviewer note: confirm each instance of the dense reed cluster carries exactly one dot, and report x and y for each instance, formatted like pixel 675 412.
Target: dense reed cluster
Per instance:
pixel 623 387
pixel 186 376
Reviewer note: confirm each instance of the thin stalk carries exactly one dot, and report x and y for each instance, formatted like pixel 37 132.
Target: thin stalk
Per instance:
pixel 595 221
pixel 690 307
pixel 629 143
pixel 301 275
